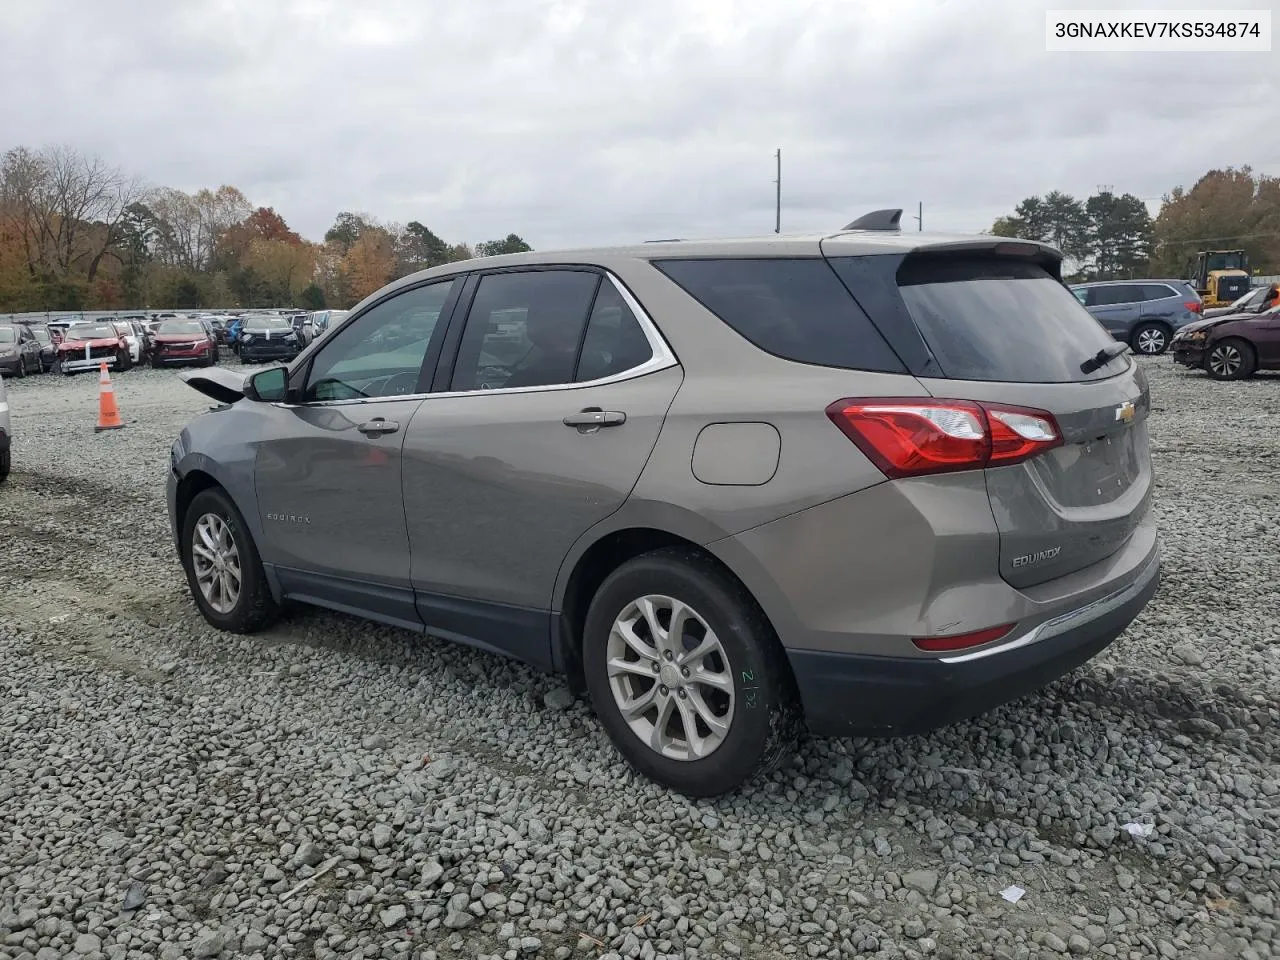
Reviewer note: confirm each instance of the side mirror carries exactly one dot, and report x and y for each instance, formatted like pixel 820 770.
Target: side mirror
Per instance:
pixel 269 386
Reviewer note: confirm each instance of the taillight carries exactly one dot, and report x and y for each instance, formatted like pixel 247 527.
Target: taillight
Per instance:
pixel 1195 306
pixel 962 641
pixel 913 437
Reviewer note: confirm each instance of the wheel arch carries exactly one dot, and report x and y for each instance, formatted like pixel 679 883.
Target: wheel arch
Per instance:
pixel 595 556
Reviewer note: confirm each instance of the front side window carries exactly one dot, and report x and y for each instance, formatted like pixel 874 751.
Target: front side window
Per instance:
pixel 380 354
pixel 524 330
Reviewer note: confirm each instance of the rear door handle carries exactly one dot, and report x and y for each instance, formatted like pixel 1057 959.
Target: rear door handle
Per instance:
pixel 595 417
pixel 377 427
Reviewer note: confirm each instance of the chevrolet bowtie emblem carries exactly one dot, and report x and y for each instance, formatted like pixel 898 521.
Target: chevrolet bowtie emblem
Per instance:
pixel 1125 412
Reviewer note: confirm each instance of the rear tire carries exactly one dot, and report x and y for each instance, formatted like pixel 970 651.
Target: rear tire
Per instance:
pixel 124 360
pixel 748 688
pixel 22 367
pixel 6 462
pixel 1231 359
pixel 1150 339
pixel 252 606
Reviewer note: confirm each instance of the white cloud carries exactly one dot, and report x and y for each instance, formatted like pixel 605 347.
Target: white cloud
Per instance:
pixel 579 121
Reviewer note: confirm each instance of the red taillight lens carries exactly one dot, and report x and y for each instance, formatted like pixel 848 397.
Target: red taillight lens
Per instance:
pixel 914 437
pixel 1195 306
pixel 962 641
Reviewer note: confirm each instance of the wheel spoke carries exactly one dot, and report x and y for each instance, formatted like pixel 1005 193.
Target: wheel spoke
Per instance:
pixel 650 614
pixel 697 745
pixel 627 631
pixel 720 681
pixel 203 552
pixel 619 666
pixel 208 537
pixel 715 724
pixel 680 616
pixel 636 707
pixel 709 644
pixel 658 739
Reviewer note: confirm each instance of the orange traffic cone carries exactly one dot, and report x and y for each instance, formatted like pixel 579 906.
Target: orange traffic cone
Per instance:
pixel 108 415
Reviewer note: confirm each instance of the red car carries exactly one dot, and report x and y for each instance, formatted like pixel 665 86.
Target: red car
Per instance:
pixel 86 345
pixel 183 341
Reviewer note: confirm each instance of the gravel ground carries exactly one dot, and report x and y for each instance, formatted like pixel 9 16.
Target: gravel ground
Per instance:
pixel 333 788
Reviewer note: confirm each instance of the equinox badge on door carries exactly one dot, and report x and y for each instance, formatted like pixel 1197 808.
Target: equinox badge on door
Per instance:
pixel 1125 411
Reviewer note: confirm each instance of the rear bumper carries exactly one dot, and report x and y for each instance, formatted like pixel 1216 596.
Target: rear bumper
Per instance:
pixel 851 695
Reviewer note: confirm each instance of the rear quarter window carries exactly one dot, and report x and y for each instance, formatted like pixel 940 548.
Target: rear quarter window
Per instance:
pixel 793 308
pixel 1001 320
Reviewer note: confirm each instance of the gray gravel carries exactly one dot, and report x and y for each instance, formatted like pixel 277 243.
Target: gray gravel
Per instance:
pixel 339 789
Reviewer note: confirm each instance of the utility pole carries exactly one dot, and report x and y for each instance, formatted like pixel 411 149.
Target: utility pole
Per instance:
pixel 777 203
pixel 919 217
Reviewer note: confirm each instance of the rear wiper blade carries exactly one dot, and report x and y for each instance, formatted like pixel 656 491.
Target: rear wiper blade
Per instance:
pixel 1103 357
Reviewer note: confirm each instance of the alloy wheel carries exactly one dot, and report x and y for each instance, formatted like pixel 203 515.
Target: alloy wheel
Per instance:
pixel 1225 360
pixel 670 678
pixel 1151 341
pixel 215 559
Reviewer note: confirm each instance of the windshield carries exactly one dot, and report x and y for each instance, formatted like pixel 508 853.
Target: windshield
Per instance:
pixel 8 335
pixel 92 331
pixel 40 333
pixel 181 326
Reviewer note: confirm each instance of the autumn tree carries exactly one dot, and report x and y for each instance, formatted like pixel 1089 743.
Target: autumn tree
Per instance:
pixel 370 262
pixel 1224 210
pixel 285 268
pixel 263 224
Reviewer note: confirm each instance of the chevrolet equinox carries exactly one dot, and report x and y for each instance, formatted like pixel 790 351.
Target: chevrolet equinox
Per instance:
pixel 866 483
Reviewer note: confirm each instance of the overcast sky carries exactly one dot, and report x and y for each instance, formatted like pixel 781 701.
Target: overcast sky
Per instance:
pixel 585 121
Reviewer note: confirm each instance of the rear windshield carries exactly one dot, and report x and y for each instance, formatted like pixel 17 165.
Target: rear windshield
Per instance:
pixel 1003 320
pixel 795 308
pixel 8 335
pixel 180 326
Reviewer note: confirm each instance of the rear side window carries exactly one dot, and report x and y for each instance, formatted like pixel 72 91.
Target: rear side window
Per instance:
pixel 614 342
pixel 1110 296
pixel 1157 291
pixel 796 309
pixel 1002 320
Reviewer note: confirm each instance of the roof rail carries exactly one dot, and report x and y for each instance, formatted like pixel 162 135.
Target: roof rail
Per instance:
pixel 878 220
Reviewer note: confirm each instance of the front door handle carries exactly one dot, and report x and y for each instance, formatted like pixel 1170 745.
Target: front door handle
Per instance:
pixel 595 417
pixel 377 427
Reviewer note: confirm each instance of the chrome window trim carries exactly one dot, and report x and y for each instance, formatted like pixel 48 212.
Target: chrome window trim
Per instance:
pixel 662 358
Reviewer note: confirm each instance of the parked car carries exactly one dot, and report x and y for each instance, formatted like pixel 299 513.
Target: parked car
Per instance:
pixel 48 351
pixel 723 495
pixel 1233 347
pixel 301 323
pixel 59 326
pixel 1143 313
pixel 86 345
pixel 1255 301
pixel 324 320
pixel 135 338
pixel 265 338
pixel 19 351
pixel 6 434
pixel 178 342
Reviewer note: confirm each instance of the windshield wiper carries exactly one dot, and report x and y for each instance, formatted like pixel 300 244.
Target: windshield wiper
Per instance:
pixel 1103 357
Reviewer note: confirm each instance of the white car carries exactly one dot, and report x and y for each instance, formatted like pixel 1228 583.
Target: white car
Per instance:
pixel 131 337
pixel 6 433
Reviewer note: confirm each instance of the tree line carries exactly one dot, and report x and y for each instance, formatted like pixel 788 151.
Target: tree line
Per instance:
pixel 79 234
pixel 1114 237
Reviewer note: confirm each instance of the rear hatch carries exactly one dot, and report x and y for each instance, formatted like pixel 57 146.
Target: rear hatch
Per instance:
pixel 1003 330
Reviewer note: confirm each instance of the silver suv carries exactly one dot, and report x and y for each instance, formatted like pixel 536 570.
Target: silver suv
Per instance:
pixel 867 483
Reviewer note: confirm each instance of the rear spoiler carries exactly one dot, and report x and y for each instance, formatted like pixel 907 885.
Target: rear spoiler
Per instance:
pixel 221 384
pixel 1042 254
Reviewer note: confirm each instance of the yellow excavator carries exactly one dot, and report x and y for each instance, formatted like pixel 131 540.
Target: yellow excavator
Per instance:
pixel 1219 276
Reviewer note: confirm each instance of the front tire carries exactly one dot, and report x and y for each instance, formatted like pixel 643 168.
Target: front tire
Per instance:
pixel 686 674
pixel 224 570
pixel 1231 359
pixel 1150 339
pixel 124 361
pixel 6 462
